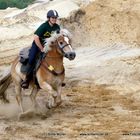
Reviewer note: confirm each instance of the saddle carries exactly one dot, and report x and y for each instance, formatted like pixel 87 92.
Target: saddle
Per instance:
pixel 24 57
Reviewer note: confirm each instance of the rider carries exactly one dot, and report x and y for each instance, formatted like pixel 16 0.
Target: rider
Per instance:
pixel 43 32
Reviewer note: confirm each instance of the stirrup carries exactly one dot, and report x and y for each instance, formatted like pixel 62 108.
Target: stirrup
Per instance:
pixel 24 84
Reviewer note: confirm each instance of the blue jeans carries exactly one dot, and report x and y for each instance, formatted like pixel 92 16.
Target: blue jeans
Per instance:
pixel 33 52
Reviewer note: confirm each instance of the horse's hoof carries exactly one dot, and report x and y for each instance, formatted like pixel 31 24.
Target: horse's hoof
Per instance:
pixel 59 103
pixel 26 115
pixel 48 106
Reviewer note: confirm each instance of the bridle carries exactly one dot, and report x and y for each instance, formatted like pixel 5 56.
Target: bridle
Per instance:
pixel 61 46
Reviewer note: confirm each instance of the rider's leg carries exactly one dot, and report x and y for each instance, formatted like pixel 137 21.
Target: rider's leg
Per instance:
pixel 32 56
pixel 32 53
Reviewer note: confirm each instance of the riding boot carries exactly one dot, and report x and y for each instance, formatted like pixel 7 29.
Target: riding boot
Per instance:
pixel 25 82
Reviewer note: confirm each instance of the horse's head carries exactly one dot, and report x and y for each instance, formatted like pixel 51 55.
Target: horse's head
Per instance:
pixel 62 42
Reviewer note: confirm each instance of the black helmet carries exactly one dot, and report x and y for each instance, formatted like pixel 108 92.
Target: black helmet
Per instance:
pixel 52 13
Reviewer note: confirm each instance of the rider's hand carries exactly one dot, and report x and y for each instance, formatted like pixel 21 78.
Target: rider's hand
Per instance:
pixel 42 50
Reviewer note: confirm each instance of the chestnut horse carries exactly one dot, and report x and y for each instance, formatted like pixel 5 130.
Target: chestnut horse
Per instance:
pixel 50 75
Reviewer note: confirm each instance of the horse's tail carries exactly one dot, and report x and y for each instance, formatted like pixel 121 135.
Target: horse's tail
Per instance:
pixel 4 83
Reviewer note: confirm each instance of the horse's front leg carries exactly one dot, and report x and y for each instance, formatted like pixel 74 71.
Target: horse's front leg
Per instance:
pixel 57 96
pixel 52 94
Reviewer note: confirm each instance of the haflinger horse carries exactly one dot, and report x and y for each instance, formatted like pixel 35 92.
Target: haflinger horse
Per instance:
pixel 50 75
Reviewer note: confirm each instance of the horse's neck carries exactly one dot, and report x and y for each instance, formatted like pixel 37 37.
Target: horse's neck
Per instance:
pixel 55 60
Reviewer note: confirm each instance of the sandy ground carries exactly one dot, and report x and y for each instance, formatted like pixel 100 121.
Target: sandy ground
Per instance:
pixel 102 92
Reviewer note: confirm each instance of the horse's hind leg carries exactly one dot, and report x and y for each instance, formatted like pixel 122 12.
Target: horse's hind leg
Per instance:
pixel 35 108
pixel 33 97
pixel 19 96
pixel 31 111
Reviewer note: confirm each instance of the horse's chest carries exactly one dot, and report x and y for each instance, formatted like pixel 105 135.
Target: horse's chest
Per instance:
pixel 46 76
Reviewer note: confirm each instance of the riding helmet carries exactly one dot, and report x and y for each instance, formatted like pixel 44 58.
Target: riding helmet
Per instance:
pixel 52 13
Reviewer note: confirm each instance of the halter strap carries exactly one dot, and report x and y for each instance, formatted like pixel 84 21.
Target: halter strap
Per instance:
pixel 62 46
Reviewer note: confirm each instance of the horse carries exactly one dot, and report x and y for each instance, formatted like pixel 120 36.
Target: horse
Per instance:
pixel 50 74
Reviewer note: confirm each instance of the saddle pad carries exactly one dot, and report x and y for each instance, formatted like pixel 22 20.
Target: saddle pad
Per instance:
pixel 24 53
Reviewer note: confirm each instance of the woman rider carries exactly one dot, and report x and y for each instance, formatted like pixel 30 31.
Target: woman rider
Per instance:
pixel 44 31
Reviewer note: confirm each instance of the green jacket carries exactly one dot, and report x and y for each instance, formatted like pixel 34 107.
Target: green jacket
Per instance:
pixel 45 30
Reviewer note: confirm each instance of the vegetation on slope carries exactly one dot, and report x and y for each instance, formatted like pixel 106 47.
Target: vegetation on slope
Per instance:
pixel 15 3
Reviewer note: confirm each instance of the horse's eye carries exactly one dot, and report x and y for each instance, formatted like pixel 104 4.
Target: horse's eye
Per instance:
pixel 58 31
pixel 61 43
pixel 52 42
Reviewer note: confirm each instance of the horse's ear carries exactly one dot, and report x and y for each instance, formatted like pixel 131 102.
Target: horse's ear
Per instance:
pixel 58 31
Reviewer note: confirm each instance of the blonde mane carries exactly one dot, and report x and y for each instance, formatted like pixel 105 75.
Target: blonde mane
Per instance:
pixel 54 36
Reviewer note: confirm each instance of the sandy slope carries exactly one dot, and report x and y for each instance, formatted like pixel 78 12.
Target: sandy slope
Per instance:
pixel 101 98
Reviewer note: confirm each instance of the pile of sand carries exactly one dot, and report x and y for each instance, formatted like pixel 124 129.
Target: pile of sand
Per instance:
pixel 99 21
pixel 107 21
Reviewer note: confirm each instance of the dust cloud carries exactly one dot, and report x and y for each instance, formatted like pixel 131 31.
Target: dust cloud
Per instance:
pixel 9 111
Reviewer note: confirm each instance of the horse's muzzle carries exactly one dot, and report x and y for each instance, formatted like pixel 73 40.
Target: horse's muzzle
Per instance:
pixel 70 55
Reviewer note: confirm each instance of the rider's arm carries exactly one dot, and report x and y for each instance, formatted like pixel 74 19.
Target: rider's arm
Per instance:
pixel 37 41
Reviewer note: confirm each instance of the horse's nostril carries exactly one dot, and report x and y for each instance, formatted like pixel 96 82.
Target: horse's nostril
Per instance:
pixel 72 55
pixel 66 55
